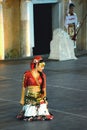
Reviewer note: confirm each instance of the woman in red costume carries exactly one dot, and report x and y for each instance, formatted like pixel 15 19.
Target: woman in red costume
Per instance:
pixel 33 96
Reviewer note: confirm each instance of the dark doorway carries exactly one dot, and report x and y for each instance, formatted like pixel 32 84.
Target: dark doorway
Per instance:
pixel 42 28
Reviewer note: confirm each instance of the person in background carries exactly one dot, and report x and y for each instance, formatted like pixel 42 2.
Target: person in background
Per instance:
pixel 33 96
pixel 71 23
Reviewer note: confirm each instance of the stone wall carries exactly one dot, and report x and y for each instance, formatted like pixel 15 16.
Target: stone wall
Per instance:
pixel 11 12
pixel 12 26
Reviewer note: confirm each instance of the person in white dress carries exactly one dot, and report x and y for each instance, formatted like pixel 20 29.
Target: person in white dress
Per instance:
pixel 71 23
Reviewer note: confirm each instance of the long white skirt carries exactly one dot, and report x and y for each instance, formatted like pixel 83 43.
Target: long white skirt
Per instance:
pixel 30 110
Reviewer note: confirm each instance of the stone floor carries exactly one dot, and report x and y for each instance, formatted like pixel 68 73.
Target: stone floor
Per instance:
pixel 66 91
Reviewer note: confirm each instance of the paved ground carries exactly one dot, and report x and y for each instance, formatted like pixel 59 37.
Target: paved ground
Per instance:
pixel 66 90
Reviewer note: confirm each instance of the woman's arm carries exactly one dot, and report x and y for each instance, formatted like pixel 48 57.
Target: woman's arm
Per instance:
pixel 22 96
pixel 23 90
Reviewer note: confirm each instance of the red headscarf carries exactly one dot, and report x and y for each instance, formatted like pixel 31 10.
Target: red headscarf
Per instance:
pixel 35 60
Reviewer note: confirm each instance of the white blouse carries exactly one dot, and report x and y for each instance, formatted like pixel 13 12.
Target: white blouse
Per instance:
pixel 70 19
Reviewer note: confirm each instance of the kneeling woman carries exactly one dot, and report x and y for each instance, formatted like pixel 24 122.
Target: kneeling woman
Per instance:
pixel 33 97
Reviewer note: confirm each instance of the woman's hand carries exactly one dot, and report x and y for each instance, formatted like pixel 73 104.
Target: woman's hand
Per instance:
pixel 22 102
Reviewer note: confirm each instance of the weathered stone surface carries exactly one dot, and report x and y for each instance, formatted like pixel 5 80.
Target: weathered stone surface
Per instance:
pixel 61 46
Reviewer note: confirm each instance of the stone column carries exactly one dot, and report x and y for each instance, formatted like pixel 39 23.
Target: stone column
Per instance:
pixel 27 28
pixel 61 14
pixel 58 15
pixel 1 33
pixel 55 16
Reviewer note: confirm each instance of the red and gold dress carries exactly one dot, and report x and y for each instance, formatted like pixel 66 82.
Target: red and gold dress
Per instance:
pixel 35 103
pixel 33 86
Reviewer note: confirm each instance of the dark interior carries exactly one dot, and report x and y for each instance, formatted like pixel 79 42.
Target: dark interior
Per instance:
pixel 42 28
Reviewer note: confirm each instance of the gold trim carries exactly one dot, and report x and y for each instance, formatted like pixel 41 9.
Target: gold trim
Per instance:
pixel 71 30
pixel 33 91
